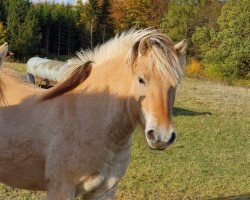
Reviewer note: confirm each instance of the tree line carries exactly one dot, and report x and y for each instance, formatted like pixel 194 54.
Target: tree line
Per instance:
pixel 53 29
pixel 217 30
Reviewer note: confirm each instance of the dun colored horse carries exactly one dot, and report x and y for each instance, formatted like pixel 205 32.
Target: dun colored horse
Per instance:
pixel 81 145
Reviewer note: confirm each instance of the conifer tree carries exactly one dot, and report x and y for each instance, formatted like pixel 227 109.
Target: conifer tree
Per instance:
pixel 105 20
pixel 58 19
pixel 23 31
pixel 91 19
pixel 29 35
pixel 2 11
pixel 44 11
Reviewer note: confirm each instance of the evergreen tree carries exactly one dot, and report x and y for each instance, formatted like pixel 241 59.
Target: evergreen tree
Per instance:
pixel 58 19
pixel 29 36
pixel 105 20
pixel 2 11
pixel 70 17
pixel 22 30
pixel 92 11
pixel 44 11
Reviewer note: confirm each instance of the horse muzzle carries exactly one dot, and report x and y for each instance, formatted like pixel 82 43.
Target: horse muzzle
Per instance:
pixel 156 142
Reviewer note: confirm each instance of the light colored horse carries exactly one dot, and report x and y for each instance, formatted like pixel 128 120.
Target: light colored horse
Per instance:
pixel 49 70
pixel 81 145
pixel 16 85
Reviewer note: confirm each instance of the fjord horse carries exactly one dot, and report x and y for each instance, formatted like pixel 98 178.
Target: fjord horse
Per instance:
pixel 81 145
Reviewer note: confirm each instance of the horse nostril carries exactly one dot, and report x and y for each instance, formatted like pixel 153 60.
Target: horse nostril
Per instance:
pixel 172 139
pixel 151 135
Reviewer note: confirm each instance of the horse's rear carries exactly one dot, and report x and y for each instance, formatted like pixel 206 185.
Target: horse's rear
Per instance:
pixel 13 87
pixel 3 52
pixel 17 148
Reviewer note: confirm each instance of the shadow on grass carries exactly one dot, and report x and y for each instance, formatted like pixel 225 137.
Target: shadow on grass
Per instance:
pixel 237 197
pixel 185 112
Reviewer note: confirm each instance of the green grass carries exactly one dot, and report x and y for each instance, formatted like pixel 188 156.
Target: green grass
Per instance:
pixel 209 160
pixel 20 67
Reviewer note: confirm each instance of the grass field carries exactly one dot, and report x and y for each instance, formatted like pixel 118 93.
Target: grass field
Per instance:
pixel 210 159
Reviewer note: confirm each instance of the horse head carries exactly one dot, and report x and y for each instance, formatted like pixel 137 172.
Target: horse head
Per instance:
pixel 156 67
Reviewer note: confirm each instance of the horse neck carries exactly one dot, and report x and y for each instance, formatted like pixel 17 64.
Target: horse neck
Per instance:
pixel 110 83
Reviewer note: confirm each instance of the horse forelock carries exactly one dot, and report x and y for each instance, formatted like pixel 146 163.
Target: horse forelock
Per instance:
pixel 163 57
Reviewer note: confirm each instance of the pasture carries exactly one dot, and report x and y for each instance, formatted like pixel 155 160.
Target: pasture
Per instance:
pixel 209 160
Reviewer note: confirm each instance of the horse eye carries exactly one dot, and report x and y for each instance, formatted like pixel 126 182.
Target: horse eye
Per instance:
pixel 141 81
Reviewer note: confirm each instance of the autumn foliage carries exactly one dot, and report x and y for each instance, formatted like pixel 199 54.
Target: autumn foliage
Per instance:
pixel 217 31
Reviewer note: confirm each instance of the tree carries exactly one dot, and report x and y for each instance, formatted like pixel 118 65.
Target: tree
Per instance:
pixel 2 33
pixel 138 13
pixel 23 31
pixel 176 23
pixel 29 36
pixel 58 19
pixel 230 46
pixel 70 17
pixel 184 17
pixel 205 25
pixel 92 13
pixel 2 11
pixel 105 20
pixel 44 11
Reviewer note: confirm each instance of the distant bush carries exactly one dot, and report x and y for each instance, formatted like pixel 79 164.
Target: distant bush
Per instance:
pixel 211 71
pixel 194 68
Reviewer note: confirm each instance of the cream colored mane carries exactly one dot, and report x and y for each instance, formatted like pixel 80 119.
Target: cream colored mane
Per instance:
pixel 135 43
pixel 163 55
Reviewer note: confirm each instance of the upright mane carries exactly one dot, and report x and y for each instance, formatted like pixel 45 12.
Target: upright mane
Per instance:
pixel 162 53
pixel 164 56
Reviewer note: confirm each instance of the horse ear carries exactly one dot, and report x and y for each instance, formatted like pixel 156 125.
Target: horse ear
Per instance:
pixel 181 48
pixel 144 46
pixel 3 52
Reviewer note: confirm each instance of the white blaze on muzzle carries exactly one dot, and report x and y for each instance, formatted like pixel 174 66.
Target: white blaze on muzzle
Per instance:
pixel 158 137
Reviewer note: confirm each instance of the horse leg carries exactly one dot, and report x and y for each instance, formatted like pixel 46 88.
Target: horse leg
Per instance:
pixel 31 78
pixel 60 191
pixel 40 83
pixel 46 82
